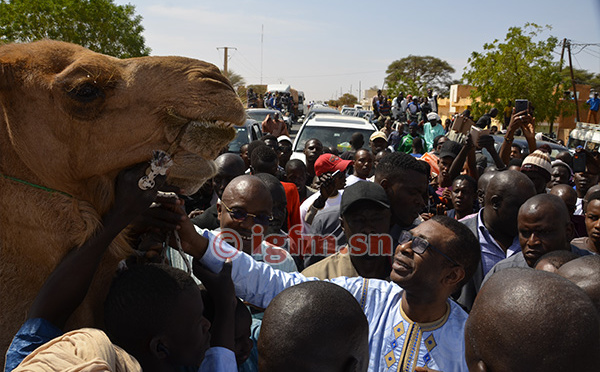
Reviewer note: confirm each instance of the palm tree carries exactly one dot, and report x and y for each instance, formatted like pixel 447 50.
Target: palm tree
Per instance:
pixel 236 79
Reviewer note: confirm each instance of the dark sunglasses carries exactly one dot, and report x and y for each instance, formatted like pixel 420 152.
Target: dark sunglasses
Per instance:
pixel 420 245
pixel 240 215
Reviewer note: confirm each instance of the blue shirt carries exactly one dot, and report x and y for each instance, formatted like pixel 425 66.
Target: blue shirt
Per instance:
pixel 594 103
pixel 430 132
pixel 32 334
pixel 491 252
pixel 36 332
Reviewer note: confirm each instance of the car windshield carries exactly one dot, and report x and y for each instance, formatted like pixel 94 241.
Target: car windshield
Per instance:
pixel 331 136
pixel 258 115
pixel 240 139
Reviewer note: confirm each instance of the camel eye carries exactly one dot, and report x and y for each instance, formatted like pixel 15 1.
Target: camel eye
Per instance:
pixel 86 92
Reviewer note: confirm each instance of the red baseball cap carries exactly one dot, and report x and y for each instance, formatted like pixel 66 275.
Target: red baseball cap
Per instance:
pixel 330 163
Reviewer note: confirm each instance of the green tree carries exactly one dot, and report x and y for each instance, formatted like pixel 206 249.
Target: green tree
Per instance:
pixel 581 77
pixel 347 99
pixel 415 74
pixel 99 25
pixel 519 67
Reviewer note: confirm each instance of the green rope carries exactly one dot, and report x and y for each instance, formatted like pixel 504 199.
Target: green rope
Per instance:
pixel 51 191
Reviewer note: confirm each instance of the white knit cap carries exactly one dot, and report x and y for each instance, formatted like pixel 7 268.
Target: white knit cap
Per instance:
pixel 538 161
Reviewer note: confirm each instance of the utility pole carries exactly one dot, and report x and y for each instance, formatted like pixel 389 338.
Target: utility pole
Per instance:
pixel 359 91
pixel 225 60
pixel 573 81
pixel 562 56
pixel 262 36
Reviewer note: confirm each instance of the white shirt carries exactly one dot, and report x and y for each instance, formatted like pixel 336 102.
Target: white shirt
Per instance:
pixel 352 179
pixel 330 202
pixel 579 207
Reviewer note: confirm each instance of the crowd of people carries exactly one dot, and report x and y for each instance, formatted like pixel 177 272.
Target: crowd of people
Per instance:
pixel 280 101
pixel 407 252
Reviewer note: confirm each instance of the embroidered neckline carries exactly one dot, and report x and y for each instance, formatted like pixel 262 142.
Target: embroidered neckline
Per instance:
pixel 431 326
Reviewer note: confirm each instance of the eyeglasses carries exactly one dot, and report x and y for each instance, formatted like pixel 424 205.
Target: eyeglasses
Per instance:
pixel 240 215
pixel 420 245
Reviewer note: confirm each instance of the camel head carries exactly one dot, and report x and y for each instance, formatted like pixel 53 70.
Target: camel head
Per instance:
pixel 72 118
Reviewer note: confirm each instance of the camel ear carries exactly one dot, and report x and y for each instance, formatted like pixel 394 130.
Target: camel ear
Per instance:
pixel 6 75
pixel 8 60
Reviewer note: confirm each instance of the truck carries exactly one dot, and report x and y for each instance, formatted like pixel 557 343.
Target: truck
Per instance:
pixel 296 109
pixel 586 135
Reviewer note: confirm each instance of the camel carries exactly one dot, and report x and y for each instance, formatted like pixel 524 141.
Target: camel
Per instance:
pixel 71 119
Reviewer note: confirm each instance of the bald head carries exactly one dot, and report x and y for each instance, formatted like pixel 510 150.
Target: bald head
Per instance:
pixel 531 320
pixel 246 195
pixel 585 273
pixel 230 162
pixel 510 184
pixel 552 261
pixel 229 166
pixel 567 194
pixel 546 203
pixel 482 184
pixel 246 186
pixel 314 326
pixel 505 194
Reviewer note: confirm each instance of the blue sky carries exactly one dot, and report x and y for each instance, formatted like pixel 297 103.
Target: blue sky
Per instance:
pixel 324 47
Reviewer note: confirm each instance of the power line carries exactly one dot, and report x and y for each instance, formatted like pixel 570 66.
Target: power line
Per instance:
pixel 254 68
pixel 578 64
pixel 593 54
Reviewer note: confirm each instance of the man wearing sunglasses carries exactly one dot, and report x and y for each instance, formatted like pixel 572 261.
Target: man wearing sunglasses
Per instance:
pixel 247 202
pixel 412 321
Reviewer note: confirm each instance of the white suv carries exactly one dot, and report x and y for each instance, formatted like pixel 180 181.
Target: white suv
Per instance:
pixel 332 131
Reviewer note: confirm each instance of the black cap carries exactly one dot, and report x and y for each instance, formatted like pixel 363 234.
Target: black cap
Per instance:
pixel 363 190
pixel 450 148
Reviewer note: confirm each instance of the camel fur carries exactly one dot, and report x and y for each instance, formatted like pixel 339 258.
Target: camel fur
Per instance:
pixel 70 120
